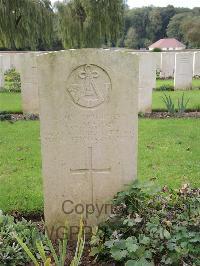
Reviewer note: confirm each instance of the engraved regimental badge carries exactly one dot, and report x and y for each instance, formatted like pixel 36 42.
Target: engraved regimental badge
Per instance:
pixel 89 86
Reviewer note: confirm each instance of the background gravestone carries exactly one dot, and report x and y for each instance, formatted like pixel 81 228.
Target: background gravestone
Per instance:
pixel 196 64
pixel 183 71
pixel 5 64
pixel 26 65
pixel 88 113
pixel 147 81
pixel 157 56
pixel 167 64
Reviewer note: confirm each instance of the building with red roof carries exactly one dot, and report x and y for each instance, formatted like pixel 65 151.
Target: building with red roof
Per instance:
pixel 168 44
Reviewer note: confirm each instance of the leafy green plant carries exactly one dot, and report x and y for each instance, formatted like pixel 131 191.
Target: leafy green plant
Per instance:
pixel 12 81
pixel 165 88
pixel 182 104
pixel 158 74
pixel 156 49
pixel 141 114
pixel 59 260
pixel 21 241
pixel 151 227
pixel 11 252
pixel 169 104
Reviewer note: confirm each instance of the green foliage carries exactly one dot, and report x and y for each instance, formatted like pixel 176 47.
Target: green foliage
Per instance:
pixel 21 241
pixel 190 28
pixel 150 227
pixel 131 40
pixel 150 24
pixel 169 104
pixel 25 24
pixel 166 87
pixel 59 260
pixel 157 50
pixel 11 252
pixel 182 104
pixel 12 81
pixel 185 27
pixel 88 23
pixel 174 28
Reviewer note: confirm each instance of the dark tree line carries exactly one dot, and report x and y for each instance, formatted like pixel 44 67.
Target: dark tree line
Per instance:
pixel 143 26
pixel 36 25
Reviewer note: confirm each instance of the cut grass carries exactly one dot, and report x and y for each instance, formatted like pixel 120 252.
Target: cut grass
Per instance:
pixel 169 151
pixel 168 154
pixel 20 167
pixel 10 102
pixel 170 82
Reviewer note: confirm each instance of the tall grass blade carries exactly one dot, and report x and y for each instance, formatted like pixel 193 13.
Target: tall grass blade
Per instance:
pixel 27 250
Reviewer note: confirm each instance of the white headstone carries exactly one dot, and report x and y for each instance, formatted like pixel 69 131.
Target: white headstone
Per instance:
pixel 1 73
pixel 26 65
pixel 183 71
pixel 5 64
pixel 196 65
pixel 167 65
pixel 147 81
pixel 88 113
pixel 157 56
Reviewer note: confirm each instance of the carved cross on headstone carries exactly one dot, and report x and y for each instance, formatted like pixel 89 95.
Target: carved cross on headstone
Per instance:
pixel 88 171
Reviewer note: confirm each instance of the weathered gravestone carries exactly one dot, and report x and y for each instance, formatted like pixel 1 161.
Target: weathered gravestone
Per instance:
pixel 183 71
pixel 147 81
pixel 26 65
pixel 88 113
pixel 5 64
pixel 1 74
pixel 157 56
pixel 167 64
pixel 196 64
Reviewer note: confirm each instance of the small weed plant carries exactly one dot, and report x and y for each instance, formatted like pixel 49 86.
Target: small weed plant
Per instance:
pixel 170 105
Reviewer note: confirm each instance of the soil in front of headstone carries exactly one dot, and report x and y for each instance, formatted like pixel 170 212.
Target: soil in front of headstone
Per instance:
pixel 154 115
pixel 165 115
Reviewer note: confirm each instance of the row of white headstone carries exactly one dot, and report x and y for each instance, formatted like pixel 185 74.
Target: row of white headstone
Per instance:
pixel 89 127
pixel 25 65
pixel 166 63
pixel 182 66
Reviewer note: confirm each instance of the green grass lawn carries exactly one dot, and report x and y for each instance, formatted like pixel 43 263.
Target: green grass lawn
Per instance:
pixel 168 153
pixel 170 82
pixel 10 102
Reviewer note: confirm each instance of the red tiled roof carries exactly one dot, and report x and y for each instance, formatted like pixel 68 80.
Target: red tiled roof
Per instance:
pixel 167 43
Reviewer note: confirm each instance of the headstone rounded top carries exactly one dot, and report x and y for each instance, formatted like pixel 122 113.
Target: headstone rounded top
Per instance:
pixel 89 85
